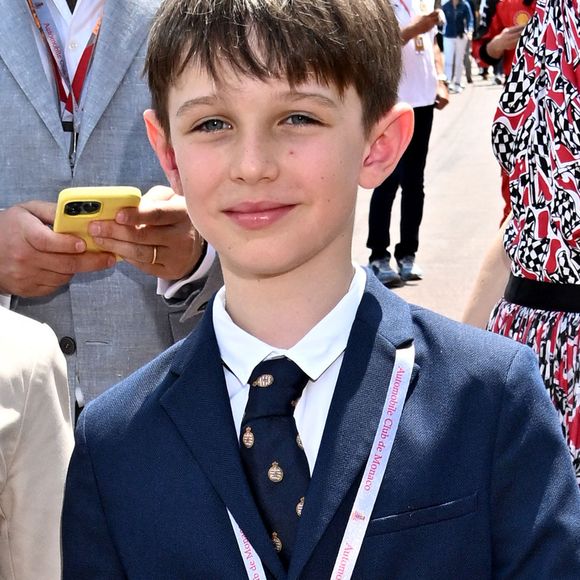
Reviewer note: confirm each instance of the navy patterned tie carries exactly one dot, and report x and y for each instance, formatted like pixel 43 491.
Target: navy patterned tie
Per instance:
pixel 272 452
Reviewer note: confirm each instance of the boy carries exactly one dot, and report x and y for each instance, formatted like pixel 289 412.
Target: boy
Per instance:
pixel 267 116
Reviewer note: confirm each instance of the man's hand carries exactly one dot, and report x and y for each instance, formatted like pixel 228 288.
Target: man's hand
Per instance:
pixel 442 96
pixel 420 25
pixel 157 237
pixel 507 39
pixel 34 260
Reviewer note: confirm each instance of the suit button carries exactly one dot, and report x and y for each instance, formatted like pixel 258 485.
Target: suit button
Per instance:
pixel 68 345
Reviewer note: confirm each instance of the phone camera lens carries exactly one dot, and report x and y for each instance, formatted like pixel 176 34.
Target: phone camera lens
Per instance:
pixel 72 208
pixel 91 207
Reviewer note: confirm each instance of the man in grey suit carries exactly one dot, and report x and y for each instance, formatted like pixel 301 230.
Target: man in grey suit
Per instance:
pixel 107 315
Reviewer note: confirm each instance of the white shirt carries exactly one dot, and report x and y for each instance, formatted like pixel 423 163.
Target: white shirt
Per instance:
pixel 418 85
pixel 319 354
pixel 74 31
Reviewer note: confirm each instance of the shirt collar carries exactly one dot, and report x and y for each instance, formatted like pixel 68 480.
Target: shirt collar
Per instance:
pixel 314 353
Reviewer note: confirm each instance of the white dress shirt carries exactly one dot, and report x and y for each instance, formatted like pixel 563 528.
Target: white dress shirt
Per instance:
pixel 74 31
pixel 319 354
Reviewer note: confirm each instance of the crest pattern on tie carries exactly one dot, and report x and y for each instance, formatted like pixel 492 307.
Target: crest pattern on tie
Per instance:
pixel 275 462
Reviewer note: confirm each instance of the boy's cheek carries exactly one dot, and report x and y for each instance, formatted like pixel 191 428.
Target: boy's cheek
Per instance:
pixel 200 222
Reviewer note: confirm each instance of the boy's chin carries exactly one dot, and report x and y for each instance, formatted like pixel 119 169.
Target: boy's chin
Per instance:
pixel 262 271
pixel 263 267
pixel 285 268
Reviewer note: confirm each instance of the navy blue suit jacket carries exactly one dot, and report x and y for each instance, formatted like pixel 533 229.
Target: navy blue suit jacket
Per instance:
pixel 479 484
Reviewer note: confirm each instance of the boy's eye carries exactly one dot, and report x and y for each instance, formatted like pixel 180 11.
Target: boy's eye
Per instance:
pixel 300 119
pixel 212 125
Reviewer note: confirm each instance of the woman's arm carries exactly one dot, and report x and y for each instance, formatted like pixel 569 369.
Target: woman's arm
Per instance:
pixel 489 283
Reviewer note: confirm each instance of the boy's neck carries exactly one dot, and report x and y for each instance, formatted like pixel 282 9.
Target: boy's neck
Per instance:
pixel 280 310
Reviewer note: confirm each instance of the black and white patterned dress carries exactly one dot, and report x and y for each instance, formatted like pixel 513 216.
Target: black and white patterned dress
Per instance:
pixel 536 137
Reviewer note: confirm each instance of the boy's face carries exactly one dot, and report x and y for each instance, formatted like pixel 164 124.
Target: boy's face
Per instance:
pixel 269 173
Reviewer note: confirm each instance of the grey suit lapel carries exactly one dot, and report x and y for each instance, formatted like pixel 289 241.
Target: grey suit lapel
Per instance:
pixel 19 52
pixel 214 282
pixel 198 404
pixel 124 29
pixel 383 323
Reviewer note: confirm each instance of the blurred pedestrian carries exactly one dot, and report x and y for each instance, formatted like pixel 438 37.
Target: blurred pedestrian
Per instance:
pixel 499 41
pixel 485 11
pixel 467 56
pixel 423 87
pixel 458 30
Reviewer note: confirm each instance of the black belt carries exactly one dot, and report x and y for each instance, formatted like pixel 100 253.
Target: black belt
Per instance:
pixel 543 295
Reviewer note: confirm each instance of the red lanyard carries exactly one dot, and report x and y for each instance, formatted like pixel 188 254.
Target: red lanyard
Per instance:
pixel 68 93
pixel 406 7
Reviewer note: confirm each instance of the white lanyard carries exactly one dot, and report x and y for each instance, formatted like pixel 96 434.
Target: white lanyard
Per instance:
pixel 251 559
pixel 376 465
pixel 370 484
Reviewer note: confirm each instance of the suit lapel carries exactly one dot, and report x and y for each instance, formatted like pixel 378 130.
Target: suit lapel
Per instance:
pixel 19 52
pixel 382 324
pixel 214 282
pixel 198 404
pixel 124 29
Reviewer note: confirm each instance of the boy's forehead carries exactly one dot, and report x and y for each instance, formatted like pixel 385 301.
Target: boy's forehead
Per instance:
pixel 228 82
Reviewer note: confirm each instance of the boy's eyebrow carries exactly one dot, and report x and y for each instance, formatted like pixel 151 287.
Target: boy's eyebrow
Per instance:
pixel 205 100
pixel 300 95
pixel 291 95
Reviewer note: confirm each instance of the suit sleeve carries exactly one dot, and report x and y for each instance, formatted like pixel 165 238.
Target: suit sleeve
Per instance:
pixel 36 442
pixel 88 549
pixel 535 497
pixel 188 305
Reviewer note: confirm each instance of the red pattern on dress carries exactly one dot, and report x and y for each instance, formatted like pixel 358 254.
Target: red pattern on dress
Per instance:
pixel 536 137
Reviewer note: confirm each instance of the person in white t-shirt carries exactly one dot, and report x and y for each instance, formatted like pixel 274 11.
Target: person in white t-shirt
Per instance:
pixel 423 87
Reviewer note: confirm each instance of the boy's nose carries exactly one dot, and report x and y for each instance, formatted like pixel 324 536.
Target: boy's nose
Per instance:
pixel 254 159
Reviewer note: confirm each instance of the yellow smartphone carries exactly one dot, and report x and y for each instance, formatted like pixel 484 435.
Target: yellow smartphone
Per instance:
pixel 78 206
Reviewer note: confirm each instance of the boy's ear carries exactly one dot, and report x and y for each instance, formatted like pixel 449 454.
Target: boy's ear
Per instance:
pixel 163 149
pixel 387 142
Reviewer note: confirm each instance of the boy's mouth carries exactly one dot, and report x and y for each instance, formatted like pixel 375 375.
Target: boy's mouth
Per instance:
pixel 256 215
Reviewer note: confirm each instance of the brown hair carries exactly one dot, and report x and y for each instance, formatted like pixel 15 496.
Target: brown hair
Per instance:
pixel 341 42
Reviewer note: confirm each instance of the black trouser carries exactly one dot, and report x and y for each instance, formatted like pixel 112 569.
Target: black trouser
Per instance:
pixel 408 174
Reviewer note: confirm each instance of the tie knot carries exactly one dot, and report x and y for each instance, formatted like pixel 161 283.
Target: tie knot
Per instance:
pixel 275 387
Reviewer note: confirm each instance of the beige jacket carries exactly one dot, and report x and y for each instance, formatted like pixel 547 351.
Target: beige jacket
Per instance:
pixel 36 441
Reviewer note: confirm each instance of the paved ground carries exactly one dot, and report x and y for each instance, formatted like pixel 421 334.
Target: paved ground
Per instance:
pixel 462 205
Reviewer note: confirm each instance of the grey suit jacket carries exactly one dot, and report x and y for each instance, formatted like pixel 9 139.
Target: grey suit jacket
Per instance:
pixel 115 318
